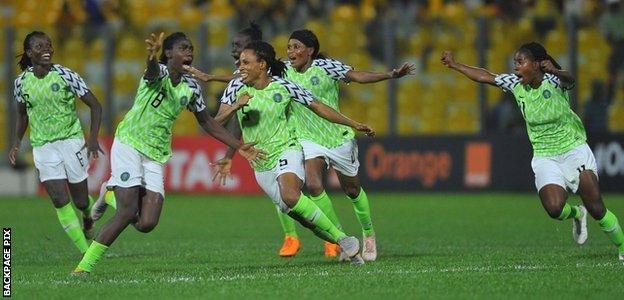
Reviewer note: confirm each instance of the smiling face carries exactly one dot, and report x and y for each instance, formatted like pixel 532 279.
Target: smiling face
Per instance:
pixel 180 54
pixel 526 68
pixel 40 50
pixel 250 67
pixel 298 54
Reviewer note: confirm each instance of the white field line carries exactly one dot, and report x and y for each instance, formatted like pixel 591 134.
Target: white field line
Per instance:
pixel 323 273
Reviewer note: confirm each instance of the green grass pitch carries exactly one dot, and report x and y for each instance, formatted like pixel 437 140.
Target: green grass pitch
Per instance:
pixel 442 245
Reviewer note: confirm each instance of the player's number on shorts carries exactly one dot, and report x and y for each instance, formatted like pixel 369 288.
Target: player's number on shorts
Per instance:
pixel 158 99
pixel 283 162
pixel 581 168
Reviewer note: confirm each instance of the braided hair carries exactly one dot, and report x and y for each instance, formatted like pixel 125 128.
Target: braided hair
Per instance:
pixel 537 52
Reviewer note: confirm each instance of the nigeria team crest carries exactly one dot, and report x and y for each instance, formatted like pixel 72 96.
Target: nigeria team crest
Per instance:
pixel 277 98
pixel 546 94
pixel 314 80
pixel 183 101
pixel 55 87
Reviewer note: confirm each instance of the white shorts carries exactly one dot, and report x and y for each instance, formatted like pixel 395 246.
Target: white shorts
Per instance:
pixel 564 169
pixel 63 159
pixel 131 168
pixel 343 159
pixel 291 161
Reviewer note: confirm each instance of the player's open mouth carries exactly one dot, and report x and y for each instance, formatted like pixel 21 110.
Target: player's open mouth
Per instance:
pixel 244 76
pixel 46 56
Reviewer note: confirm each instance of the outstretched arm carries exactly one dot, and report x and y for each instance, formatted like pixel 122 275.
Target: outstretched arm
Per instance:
pixel 215 129
pixel 93 147
pixel 333 116
pixel 476 74
pixel 21 123
pixel 370 77
pixel 207 77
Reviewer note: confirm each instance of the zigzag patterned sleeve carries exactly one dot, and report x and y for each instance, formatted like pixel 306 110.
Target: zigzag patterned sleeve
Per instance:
pixel 73 80
pixel 557 82
pixel 197 103
pixel 229 95
pixel 507 81
pixel 334 69
pixel 297 92
pixel 17 89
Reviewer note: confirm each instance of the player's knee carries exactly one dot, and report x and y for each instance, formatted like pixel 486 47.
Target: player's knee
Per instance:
pixel 315 187
pixel 352 191
pixel 596 209
pixel 554 211
pixel 146 227
pixel 291 197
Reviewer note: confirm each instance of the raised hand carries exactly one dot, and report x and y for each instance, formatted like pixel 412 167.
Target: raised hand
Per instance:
pixel 251 153
pixel 154 44
pixel 222 170
pixel 405 69
pixel 547 66
pixel 447 59
pixel 197 73
pixel 369 131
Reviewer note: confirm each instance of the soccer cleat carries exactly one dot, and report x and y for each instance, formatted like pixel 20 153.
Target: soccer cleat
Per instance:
pixel 79 272
pixel 370 248
pixel 343 256
pixel 579 226
pixel 351 247
pixel 331 250
pixel 99 207
pixel 290 247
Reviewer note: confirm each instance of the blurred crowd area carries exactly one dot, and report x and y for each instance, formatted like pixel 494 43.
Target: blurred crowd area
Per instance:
pixel 433 101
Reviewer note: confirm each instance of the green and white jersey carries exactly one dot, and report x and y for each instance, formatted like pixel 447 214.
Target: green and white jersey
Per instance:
pixel 50 104
pixel 147 127
pixel 265 117
pixel 322 78
pixel 552 126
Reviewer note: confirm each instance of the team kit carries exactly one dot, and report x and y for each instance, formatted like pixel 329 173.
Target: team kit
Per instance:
pixel 283 117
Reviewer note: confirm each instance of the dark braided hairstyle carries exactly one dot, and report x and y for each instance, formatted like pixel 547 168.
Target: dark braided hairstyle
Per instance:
pixel 309 39
pixel 537 52
pixel 168 43
pixel 264 51
pixel 253 32
pixel 24 61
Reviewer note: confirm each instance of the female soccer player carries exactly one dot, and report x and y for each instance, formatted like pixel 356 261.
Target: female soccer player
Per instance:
pixel 45 94
pixel 265 119
pixel 142 142
pixel 325 143
pixel 291 243
pixel 562 160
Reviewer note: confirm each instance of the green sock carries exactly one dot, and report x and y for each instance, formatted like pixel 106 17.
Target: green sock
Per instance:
pixel 109 198
pixel 92 256
pixel 324 203
pixel 362 211
pixel 313 214
pixel 71 224
pixel 611 227
pixel 569 212
pixel 288 224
